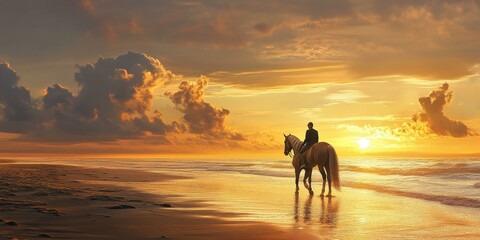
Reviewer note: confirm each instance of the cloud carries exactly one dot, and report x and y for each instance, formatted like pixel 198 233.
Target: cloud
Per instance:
pixel 430 122
pixel 433 114
pixel 55 96
pixel 369 38
pixel 200 116
pixel 121 86
pixel 114 102
pixel 406 132
pixel 424 37
pixel 264 28
pixel 115 99
pixel 16 105
pixel 348 96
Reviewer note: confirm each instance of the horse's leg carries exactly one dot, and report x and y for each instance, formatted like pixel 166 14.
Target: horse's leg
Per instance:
pixel 305 176
pixel 329 178
pixel 297 176
pixel 310 181
pixel 324 176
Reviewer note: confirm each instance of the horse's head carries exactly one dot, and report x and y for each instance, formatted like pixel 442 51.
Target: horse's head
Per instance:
pixel 288 145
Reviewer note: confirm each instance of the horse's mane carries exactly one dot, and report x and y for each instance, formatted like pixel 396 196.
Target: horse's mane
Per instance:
pixel 295 142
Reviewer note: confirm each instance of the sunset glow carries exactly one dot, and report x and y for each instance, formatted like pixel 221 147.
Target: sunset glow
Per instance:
pixel 235 78
pixel 239 119
pixel 363 143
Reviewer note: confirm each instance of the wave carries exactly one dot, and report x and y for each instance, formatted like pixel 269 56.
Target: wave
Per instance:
pixel 447 200
pixel 6 161
pixel 422 171
pixel 450 165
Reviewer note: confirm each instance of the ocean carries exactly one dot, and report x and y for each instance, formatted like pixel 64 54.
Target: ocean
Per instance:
pixel 380 198
pixel 450 181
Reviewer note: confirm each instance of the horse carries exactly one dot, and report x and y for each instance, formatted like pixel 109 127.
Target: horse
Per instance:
pixel 322 154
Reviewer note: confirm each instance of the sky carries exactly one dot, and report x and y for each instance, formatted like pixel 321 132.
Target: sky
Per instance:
pixel 181 78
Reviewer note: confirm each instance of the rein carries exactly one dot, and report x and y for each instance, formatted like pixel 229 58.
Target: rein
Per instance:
pixel 294 144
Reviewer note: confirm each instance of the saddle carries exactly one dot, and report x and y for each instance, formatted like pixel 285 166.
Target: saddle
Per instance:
pixel 303 157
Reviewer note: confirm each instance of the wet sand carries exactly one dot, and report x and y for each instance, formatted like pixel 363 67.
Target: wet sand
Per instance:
pixel 67 202
pixel 72 202
pixel 351 214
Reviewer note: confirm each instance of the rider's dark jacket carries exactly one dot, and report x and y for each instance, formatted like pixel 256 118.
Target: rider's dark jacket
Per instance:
pixel 311 137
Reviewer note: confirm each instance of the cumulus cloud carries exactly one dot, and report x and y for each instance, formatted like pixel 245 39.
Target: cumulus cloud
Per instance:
pixel 114 101
pixel 200 116
pixel 56 95
pixel 120 87
pixel 16 105
pixel 431 121
pixel 433 114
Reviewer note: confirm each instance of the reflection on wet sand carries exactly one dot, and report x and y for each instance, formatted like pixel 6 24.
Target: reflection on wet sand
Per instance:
pixel 329 214
pixel 307 209
pixel 327 211
pixel 295 209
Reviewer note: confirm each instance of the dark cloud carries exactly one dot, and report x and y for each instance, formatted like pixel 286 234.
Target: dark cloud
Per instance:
pixel 115 98
pixel 121 86
pixel 438 9
pixel 17 110
pixel 370 38
pixel 56 24
pixel 433 114
pixel 428 39
pixel 320 9
pixel 56 96
pixel 200 116
pixel 114 102
pixel 263 28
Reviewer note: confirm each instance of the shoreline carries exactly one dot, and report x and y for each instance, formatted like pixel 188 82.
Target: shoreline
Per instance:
pixel 84 202
pixel 54 201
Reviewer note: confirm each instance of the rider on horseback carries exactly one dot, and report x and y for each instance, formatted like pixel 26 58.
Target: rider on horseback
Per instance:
pixel 311 137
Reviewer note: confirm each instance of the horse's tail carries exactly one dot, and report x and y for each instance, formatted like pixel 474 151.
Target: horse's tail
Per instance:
pixel 333 159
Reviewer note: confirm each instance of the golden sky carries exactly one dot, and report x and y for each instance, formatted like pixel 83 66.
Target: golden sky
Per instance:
pixel 180 78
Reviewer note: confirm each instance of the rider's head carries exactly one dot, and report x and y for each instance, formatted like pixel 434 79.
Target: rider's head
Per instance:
pixel 310 125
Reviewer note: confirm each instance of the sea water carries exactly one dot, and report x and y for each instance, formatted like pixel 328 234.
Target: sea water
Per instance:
pixel 382 198
pixel 452 181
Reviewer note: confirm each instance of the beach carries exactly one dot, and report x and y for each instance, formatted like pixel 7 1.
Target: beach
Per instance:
pixel 180 199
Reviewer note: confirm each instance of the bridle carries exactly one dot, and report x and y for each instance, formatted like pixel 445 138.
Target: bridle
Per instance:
pixel 290 154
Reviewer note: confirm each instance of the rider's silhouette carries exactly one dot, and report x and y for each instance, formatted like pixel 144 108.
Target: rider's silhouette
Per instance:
pixel 311 137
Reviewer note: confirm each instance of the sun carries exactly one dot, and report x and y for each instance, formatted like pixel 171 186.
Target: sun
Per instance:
pixel 363 143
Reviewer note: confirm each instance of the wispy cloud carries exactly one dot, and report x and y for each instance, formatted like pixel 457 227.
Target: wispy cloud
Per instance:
pixel 291 70
pixel 349 96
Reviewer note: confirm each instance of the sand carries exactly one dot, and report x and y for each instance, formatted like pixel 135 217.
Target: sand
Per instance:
pixel 39 201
